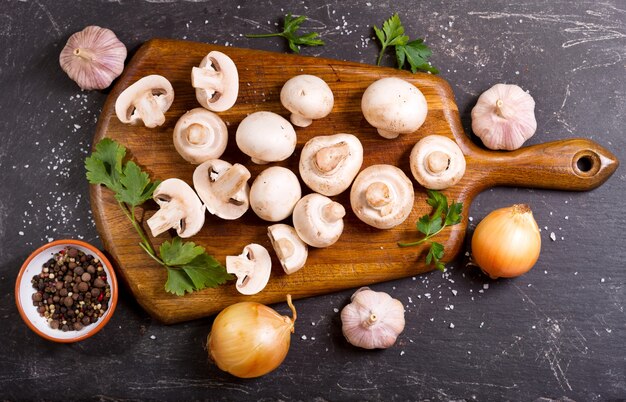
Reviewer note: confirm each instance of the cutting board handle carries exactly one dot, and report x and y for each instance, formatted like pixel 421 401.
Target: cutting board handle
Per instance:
pixel 576 164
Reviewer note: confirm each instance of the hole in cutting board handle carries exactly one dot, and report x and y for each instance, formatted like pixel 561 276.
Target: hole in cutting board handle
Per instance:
pixel 586 163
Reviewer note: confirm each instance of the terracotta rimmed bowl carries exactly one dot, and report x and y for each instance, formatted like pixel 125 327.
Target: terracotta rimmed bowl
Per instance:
pixel 24 292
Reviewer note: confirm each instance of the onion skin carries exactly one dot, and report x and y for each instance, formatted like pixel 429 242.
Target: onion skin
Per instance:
pixel 507 242
pixel 249 339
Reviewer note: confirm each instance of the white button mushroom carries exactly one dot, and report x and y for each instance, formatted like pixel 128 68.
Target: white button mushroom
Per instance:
pixel 145 101
pixel 437 162
pixel 318 220
pixel 266 137
pixel 382 196
pixel 290 249
pixel 328 164
pixel 216 81
pixel 180 209
pixel 223 188
pixel 307 97
pixel 394 106
pixel 274 193
pixel 200 135
pixel 252 268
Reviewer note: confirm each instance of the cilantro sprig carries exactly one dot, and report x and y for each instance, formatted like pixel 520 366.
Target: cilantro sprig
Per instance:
pixel 414 52
pixel 430 225
pixel 189 267
pixel 290 26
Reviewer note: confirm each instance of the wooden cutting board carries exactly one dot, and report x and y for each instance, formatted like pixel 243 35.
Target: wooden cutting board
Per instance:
pixel 363 255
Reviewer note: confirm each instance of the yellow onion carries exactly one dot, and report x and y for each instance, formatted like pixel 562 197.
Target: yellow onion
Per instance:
pixel 250 339
pixel 507 242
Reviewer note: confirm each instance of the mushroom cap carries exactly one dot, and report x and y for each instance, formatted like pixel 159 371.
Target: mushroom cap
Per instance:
pixel 224 97
pixel 252 268
pixel 307 97
pixel 437 162
pixel 223 188
pixel 151 88
pixel 274 193
pixel 177 191
pixel 318 220
pixel 394 106
pixel 266 137
pixel 200 135
pixel 329 163
pixel 382 196
pixel 292 252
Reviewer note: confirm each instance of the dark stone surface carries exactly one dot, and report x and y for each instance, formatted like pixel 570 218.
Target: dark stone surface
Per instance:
pixel 558 331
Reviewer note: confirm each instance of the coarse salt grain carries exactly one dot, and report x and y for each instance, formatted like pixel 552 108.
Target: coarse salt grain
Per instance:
pixel 152 337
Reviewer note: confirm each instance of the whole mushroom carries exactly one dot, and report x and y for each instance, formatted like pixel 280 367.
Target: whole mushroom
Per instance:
pixel 216 81
pixel 179 208
pixel 274 193
pixel 318 220
pixel 382 196
pixel 307 97
pixel 394 106
pixel 252 268
pixel 266 137
pixel 223 188
pixel 437 162
pixel 200 135
pixel 328 164
pixel 292 252
pixel 145 101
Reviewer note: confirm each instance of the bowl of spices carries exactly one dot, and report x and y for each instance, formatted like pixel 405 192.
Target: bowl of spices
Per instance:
pixel 66 291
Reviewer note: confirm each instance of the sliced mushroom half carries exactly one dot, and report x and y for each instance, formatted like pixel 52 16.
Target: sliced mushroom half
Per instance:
pixel 382 196
pixel 437 162
pixel 318 220
pixel 200 135
pixel 252 268
pixel 328 164
pixel 223 188
pixel 292 252
pixel 216 81
pixel 145 101
pixel 179 208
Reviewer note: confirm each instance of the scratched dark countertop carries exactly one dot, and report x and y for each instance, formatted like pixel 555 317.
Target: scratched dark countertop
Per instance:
pixel 557 332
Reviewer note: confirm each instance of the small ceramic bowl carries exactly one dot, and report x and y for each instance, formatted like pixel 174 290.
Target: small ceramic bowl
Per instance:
pixel 24 292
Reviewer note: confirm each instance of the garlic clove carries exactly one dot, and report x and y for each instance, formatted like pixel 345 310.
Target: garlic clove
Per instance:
pixel 93 57
pixel 504 117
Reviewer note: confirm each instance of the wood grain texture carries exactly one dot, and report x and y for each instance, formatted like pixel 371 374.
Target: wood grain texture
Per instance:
pixel 363 255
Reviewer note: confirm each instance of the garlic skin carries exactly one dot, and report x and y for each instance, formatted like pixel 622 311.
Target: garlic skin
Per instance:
pixel 504 117
pixel 373 320
pixel 93 57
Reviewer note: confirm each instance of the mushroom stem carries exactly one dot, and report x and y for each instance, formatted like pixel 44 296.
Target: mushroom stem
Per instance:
pixel 168 217
pixel 149 110
pixel 198 134
pixel 388 134
pixel 206 79
pixel 371 320
pixel 284 248
pixel 230 183
pixel 328 158
pixel 299 120
pixel 333 212
pixel 437 162
pixel 501 110
pixel 377 194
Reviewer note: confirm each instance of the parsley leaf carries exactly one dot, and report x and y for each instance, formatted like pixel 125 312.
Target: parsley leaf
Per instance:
pixel 178 253
pixel 178 282
pixel 430 225
pixel 135 186
pixel 290 26
pixel 104 166
pixel 415 52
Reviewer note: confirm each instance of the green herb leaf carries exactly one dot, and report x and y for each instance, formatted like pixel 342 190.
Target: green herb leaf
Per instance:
pixel 176 253
pixel 429 225
pixel 453 216
pixel 415 52
pixel 438 201
pixel 135 186
pixel 435 253
pixel 104 166
pixel 206 272
pixel 178 282
pixel 290 26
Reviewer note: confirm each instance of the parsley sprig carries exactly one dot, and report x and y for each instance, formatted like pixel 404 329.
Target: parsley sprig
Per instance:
pixel 290 26
pixel 430 225
pixel 189 267
pixel 414 52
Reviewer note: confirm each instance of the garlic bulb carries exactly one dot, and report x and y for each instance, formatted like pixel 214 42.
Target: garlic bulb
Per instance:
pixel 373 320
pixel 504 117
pixel 93 57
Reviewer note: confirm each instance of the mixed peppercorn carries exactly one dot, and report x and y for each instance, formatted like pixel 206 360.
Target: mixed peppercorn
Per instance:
pixel 72 290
